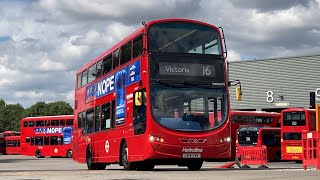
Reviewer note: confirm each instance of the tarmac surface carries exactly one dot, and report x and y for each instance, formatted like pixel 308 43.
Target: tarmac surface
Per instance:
pixel 23 167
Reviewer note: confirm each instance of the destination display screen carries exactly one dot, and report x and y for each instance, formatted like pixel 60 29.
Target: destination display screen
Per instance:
pixel 187 69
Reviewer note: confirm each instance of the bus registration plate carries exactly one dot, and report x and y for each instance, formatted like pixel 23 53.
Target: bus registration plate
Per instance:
pixel 294 149
pixel 191 155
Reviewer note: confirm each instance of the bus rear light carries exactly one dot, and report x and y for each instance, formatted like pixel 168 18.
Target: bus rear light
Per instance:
pixel 156 139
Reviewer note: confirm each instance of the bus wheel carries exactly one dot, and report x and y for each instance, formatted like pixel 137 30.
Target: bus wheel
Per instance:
pixel 194 165
pixel 38 154
pixel 90 164
pixel 124 157
pixel 69 153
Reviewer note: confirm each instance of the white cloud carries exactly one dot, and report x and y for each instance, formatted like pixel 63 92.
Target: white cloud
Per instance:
pixel 46 41
pixel 28 94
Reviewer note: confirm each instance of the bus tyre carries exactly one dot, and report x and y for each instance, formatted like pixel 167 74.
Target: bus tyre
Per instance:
pixel 124 158
pixel 194 165
pixel 90 164
pixel 69 153
pixel 38 154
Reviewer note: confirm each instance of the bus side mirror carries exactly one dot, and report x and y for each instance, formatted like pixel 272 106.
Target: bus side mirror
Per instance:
pixel 238 94
pixel 138 98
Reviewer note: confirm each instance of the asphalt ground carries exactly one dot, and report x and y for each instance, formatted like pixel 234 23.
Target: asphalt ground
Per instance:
pixel 23 167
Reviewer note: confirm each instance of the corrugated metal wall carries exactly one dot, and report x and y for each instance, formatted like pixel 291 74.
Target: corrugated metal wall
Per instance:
pixel 293 78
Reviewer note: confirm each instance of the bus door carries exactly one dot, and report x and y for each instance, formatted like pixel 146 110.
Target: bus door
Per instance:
pixel 139 121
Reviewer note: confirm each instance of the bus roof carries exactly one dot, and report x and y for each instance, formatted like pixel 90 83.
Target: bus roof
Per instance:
pixel 256 128
pixel 297 110
pixel 136 33
pixel 260 113
pixel 48 117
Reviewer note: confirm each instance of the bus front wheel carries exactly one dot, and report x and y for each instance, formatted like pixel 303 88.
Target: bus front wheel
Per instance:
pixel 194 165
pixel 38 154
pixel 124 158
pixel 90 164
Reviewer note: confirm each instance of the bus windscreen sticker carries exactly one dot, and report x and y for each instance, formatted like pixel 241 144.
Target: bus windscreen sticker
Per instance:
pixel 130 73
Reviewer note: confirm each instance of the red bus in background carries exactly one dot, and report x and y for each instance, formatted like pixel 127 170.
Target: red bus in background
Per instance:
pixel 2 144
pixel 250 118
pixel 11 133
pixel 294 121
pixel 47 136
pixel 147 100
pixel 12 145
pixel 260 136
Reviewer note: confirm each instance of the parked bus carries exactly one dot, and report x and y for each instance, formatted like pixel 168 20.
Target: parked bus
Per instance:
pixel 47 136
pixel 250 118
pixel 294 122
pixel 2 144
pixel 11 133
pixel 147 100
pixel 12 145
pixel 260 136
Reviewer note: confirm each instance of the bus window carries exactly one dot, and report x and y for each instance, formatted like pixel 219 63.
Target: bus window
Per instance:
pixel 27 139
pixel 31 123
pixel 79 81
pixel 107 64
pixel 39 140
pixel 39 123
pixel 89 121
pixel 97 119
pixel 69 122
pixel 25 124
pixel 105 120
pixel 46 140
pixel 54 122
pixel 92 73
pixel 47 122
pixel 99 69
pixel 62 122
pixel 125 53
pixel 137 46
pixel 32 141
pixel 115 62
pixel 54 140
pixel 9 143
pixel 84 78
pixel 60 140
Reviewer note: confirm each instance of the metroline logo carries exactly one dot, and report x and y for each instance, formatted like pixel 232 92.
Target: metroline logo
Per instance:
pixel 194 150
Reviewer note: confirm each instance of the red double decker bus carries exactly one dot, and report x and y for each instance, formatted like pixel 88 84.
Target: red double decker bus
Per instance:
pixel 11 133
pixel 2 144
pixel 260 136
pixel 47 136
pixel 12 145
pixel 147 100
pixel 250 118
pixel 294 121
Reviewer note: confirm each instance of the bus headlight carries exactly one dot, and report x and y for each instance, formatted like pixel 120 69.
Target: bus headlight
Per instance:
pixel 227 139
pixel 156 139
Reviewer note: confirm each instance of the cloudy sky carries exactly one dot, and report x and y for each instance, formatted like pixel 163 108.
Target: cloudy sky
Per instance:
pixel 44 42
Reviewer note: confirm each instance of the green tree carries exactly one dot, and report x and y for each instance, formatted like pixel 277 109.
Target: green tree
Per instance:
pixel 50 109
pixel 11 116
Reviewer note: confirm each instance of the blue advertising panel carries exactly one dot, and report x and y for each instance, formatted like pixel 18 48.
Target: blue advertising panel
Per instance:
pixel 121 95
pixel 48 130
pixel 67 133
pixel 115 82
